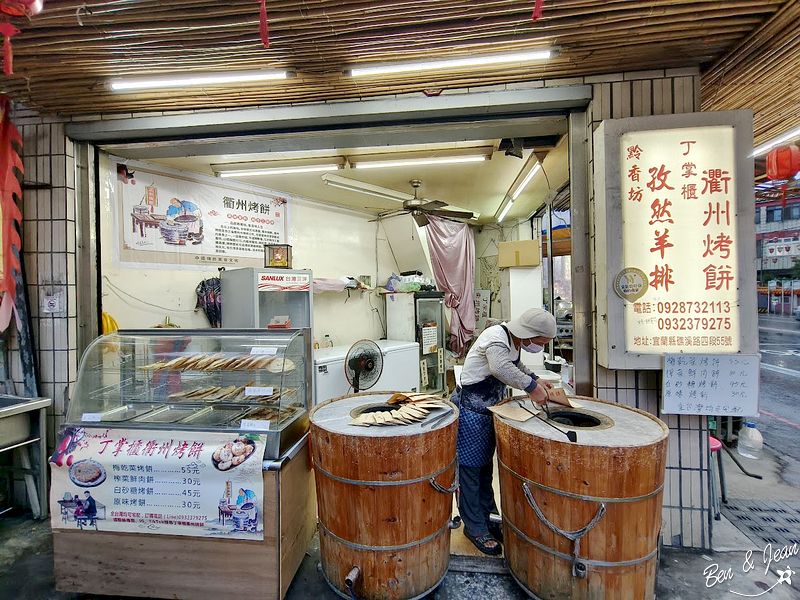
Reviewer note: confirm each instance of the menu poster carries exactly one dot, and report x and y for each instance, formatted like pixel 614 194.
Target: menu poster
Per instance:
pixel 711 384
pixel 680 277
pixel 158 482
pixel 168 217
pixel 430 338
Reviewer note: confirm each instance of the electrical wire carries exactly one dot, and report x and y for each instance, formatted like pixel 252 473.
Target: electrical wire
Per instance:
pixel 120 293
pixel 377 312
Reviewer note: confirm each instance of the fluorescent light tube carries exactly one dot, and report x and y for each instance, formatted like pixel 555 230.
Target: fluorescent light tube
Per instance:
pixel 526 181
pixel 505 211
pixel 353 185
pixel 766 147
pixel 414 162
pixel 472 61
pixel 194 80
pixel 277 171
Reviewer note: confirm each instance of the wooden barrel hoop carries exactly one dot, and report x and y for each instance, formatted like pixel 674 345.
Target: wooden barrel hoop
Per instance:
pixel 582 518
pixel 384 510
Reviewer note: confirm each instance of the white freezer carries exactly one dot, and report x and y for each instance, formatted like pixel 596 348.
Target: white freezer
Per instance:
pixel 400 370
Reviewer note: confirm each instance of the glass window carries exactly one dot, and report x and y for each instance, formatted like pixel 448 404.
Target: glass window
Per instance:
pixel 774 214
pixel 758 215
pixel 793 211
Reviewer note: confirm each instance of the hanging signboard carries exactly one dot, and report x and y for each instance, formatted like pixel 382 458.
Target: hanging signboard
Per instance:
pixel 679 227
pixel 167 217
pixel 710 384
pixel 482 309
pixel 676 238
pixel 158 482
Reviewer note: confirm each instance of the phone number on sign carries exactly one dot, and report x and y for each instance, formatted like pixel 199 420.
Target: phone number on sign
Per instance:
pixel 694 307
pixel 695 323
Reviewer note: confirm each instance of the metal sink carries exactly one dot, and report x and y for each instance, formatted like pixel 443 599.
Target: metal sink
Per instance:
pixel 15 424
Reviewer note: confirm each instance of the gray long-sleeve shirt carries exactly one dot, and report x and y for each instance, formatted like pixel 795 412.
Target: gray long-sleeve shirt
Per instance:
pixel 494 354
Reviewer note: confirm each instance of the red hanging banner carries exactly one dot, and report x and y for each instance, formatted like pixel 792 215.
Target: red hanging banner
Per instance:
pixel 7 30
pixel 263 26
pixel 10 217
pixel 537 10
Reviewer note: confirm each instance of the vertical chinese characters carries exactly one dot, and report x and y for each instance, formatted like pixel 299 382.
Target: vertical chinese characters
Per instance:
pixel 679 227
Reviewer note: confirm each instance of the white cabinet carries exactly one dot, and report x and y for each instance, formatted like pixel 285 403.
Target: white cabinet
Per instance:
pixel 521 289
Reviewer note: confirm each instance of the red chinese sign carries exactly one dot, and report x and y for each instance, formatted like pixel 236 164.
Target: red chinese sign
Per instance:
pixel 679 228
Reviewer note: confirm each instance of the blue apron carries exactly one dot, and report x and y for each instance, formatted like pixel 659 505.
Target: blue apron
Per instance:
pixel 475 445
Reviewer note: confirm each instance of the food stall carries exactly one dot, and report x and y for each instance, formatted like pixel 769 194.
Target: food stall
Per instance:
pixel 183 470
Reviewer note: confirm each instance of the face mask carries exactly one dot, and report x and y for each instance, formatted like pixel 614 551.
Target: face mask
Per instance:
pixel 532 348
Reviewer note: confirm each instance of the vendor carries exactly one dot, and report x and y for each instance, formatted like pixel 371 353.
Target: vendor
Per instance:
pixel 493 362
pixel 89 506
pixel 180 208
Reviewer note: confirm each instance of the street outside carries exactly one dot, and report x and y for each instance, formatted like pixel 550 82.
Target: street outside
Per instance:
pixel 779 400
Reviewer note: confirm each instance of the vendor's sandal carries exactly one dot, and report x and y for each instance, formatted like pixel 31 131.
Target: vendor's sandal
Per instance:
pixel 496 529
pixel 484 543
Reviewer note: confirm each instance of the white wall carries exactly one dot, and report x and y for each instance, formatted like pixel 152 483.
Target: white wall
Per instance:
pixel 487 274
pixel 334 242
pixel 330 241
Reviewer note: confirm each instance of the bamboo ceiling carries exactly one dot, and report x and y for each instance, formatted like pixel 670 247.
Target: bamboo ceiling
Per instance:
pixel 64 56
pixel 763 73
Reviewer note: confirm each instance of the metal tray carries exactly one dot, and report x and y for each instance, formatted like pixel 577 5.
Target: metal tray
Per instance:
pixel 124 413
pixel 166 414
pixel 214 415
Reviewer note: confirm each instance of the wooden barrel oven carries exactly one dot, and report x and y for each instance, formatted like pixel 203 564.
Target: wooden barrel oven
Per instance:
pixel 385 499
pixel 582 520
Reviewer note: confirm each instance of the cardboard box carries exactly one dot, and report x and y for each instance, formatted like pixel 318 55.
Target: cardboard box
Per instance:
pixel 519 254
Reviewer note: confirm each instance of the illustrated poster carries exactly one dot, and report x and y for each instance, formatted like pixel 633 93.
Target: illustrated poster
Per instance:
pixel 167 217
pixel 196 484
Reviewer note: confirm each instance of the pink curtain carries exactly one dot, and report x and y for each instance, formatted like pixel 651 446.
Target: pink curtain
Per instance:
pixel 452 247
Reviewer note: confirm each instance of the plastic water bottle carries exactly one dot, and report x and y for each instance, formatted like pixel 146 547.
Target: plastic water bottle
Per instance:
pixel 750 441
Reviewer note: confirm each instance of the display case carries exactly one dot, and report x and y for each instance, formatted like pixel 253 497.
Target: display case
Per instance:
pixel 203 379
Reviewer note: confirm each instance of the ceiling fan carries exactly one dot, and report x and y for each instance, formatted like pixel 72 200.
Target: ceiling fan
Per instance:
pixel 420 208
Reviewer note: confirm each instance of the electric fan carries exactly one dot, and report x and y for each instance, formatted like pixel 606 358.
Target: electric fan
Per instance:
pixel 363 365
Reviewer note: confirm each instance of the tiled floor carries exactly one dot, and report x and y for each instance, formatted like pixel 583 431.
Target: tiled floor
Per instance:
pixel 765 521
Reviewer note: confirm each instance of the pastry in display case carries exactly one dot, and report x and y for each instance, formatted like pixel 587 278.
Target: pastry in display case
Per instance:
pixel 255 380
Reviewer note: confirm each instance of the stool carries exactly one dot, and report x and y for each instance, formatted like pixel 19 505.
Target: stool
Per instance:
pixel 85 521
pixel 716 446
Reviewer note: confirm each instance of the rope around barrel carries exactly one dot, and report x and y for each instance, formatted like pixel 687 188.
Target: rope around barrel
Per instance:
pixel 581 496
pixel 578 569
pixel 588 561
pixel 445 490
pixel 357 546
pixel 430 478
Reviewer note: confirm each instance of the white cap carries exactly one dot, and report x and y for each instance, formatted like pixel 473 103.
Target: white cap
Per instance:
pixel 534 322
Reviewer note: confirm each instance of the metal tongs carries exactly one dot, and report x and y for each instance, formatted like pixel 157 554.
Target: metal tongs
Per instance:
pixel 571 435
pixel 437 419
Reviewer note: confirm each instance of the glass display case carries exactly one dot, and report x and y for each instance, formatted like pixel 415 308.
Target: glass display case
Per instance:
pixel 255 380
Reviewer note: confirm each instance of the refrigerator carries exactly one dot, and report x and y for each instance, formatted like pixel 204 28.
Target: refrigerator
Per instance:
pixel 400 370
pixel 419 317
